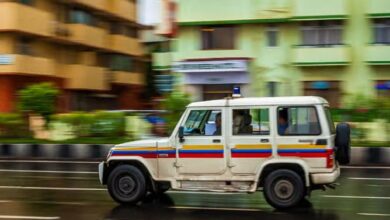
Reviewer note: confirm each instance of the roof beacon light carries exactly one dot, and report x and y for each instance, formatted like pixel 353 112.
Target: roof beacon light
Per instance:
pixel 236 92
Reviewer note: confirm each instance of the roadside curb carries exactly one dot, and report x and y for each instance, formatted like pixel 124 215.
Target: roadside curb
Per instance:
pixel 360 155
pixel 55 151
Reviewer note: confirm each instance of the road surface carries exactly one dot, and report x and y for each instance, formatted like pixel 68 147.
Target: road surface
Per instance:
pixel 71 190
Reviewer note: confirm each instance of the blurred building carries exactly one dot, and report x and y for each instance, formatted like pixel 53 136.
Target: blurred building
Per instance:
pixel 333 48
pixel 89 48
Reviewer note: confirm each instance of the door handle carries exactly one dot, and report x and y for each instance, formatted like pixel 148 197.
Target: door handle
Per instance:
pixel 216 141
pixel 264 140
pixel 305 141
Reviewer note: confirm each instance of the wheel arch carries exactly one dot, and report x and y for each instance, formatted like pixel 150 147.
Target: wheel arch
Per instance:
pixel 140 164
pixel 295 165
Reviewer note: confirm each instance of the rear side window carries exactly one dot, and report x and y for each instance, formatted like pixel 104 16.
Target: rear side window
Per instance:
pixel 302 120
pixel 330 121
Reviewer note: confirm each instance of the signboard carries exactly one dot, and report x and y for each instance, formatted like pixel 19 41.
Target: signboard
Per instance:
pixel 216 78
pixel 168 24
pixel 321 85
pixel 6 59
pixel 383 86
pixel 211 66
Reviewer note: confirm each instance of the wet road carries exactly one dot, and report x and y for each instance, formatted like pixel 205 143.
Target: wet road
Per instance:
pixel 42 190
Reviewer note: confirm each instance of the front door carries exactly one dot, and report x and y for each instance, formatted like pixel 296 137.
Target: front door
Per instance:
pixel 202 150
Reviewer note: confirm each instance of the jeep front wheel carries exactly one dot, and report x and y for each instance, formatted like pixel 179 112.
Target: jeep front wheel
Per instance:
pixel 126 184
pixel 283 189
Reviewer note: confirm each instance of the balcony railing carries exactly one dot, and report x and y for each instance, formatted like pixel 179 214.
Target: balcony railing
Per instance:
pixel 26 65
pixel 128 78
pixel 124 9
pixel 83 77
pixel 378 54
pixel 321 56
pixel 87 35
pixel 19 17
pixel 124 44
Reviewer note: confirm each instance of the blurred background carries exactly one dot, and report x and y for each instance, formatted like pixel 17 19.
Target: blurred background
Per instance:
pixel 109 71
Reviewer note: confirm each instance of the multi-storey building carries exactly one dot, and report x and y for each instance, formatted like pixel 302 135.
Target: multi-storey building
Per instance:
pixel 87 48
pixel 333 48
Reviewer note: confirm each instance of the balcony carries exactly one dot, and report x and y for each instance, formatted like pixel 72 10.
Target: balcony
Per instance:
pixel 124 9
pixel 195 12
pixel 84 77
pixel 18 17
pixel 378 8
pixel 127 78
pixel 27 65
pixel 162 61
pixel 319 10
pixel 95 4
pixel 321 56
pixel 124 44
pixel 87 35
pixel 378 54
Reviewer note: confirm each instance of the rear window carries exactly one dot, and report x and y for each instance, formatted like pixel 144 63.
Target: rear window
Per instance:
pixel 330 121
pixel 300 120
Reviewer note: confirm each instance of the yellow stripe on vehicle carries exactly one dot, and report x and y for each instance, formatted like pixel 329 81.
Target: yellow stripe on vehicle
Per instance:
pixel 301 146
pixel 202 147
pixel 253 146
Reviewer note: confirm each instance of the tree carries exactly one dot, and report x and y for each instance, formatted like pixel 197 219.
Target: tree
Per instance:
pixel 38 99
pixel 175 103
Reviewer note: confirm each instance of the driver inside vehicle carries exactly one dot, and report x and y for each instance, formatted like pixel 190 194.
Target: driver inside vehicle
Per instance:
pixel 218 124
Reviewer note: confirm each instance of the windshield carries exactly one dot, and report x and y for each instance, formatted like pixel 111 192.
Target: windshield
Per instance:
pixel 330 121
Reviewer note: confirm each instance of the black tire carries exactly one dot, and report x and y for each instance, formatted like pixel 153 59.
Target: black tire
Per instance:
pixel 126 184
pixel 284 189
pixel 343 143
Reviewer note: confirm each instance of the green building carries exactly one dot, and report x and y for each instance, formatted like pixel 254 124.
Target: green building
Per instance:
pixel 334 48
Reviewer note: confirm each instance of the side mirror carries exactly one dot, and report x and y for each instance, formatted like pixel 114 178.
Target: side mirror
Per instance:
pixel 181 134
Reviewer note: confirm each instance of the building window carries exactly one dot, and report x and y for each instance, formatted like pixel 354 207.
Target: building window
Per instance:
pixel 77 16
pixel 272 34
pixel 321 33
pixel 24 46
pixel 382 31
pixel 124 30
pixel 329 90
pixel 218 38
pixel 27 2
pixel 272 88
pixel 121 63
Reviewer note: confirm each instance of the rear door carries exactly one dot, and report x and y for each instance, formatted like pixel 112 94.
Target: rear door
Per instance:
pixel 250 138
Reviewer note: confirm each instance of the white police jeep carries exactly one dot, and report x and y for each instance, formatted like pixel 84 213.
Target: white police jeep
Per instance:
pixel 284 146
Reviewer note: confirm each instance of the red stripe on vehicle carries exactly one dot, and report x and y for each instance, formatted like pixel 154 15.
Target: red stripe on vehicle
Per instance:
pixel 301 154
pixel 201 155
pixel 251 155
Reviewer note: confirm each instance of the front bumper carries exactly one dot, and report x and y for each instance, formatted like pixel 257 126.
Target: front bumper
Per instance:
pixel 325 178
pixel 102 169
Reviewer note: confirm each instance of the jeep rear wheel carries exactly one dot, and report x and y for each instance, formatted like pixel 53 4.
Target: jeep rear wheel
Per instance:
pixel 283 189
pixel 126 184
